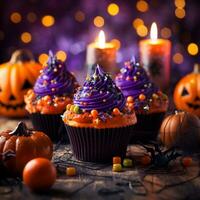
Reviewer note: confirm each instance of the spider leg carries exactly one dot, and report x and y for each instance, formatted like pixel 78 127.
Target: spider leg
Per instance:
pixel 169 150
pixel 157 149
pixel 150 150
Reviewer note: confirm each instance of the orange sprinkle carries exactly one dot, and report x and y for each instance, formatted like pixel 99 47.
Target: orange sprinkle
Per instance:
pixel 187 161
pixel 29 92
pixel 142 97
pixel 117 160
pixel 68 106
pixel 94 113
pixel 155 96
pixel 145 160
pixel 131 105
pixel 46 98
pixel 56 99
pixel 116 111
pixel 70 171
pixel 39 102
pixel 130 99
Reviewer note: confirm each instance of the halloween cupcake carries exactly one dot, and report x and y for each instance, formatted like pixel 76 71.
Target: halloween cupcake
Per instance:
pixel 98 122
pixel 149 103
pixel 48 99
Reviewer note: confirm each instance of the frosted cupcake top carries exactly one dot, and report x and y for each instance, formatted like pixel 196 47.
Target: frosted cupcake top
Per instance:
pixel 135 83
pixel 55 79
pixel 99 93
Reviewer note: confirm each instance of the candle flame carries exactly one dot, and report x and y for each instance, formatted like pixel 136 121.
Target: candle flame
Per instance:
pixel 101 39
pixel 154 32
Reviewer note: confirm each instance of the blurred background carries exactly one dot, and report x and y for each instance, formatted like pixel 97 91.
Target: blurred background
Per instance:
pixel 67 26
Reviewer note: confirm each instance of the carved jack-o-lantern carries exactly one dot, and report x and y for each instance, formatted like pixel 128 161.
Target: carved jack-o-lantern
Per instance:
pixel 187 92
pixel 16 77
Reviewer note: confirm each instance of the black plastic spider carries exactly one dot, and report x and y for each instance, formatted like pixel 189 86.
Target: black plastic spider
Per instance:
pixel 159 158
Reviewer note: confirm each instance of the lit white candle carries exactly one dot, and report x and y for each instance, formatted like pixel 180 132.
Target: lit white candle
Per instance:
pixel 155 57
pixel 102 53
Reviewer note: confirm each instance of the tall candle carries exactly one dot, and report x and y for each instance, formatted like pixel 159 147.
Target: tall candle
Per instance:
pixel 102 53
pixel 155 57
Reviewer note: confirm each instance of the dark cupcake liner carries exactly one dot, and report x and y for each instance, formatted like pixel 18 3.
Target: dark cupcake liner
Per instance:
pixel 52 125
pixel 147 127
pixel 98 145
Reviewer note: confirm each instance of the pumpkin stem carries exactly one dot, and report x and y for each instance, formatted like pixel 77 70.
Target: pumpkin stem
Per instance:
pixel 20 130
pixel 196 68
pixel 21 55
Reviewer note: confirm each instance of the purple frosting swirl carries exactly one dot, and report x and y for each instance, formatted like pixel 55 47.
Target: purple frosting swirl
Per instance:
pixel 133 81
pixel 55 79
pixel 99 92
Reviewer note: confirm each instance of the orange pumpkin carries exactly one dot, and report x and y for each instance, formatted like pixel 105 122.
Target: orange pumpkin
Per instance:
pixel 181 130
pixel 16 77
pixel 22 145
pixel 39 174
pixel 187 92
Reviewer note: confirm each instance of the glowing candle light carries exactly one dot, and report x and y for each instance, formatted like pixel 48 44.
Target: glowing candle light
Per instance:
pixel 102 53
pixel 155 57
pixel 101 39
pixel 154 32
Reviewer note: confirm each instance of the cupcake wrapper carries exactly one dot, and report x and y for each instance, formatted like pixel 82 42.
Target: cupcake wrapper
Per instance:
pixel 147 127
pixel 98 145
pixel 52 125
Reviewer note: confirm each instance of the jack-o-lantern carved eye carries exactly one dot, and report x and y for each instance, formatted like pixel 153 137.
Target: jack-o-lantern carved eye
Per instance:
pixel 184 92
pixel 26 85
pixel 12 97
pixel 0 89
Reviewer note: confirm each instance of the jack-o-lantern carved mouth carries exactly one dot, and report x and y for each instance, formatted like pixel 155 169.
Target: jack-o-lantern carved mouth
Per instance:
pixel 27 85
pixel 14 107
pixel 194 106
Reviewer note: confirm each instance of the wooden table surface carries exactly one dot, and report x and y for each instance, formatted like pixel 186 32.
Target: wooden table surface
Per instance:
pixel 97 181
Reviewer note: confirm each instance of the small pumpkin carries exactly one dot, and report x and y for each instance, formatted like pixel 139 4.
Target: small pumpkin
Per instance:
pixel 39 174
pixel 181 130
pixel 187 92
pixel 21 145
pixel 16 77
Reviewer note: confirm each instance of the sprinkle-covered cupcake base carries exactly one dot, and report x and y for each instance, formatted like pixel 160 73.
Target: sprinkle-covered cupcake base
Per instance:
pixel 156 104
pixel 46 104
pixel 73 116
